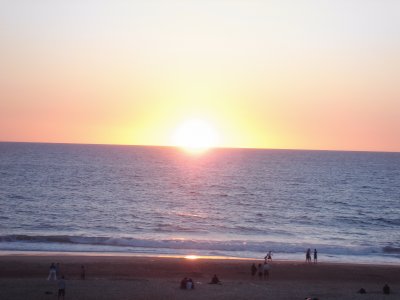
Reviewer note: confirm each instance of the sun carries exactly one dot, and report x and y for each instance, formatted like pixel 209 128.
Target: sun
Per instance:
pixel 195 136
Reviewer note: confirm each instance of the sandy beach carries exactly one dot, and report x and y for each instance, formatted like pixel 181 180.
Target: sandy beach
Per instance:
pixel 126 277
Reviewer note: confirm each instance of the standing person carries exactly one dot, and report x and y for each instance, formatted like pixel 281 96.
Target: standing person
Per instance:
pixel 52 272
pixel 308 255
pixel 315 256
pixel 83 273
pixel 253 270
pixel 386 289
pixel 61 288
pixel 260 271
pixel 58 272
pixel 266 269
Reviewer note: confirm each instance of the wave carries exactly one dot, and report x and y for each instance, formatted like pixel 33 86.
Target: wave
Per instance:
pixel 391 250
pixel 130 244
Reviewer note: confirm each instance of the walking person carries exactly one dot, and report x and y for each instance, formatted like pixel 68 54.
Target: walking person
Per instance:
pixel 315 256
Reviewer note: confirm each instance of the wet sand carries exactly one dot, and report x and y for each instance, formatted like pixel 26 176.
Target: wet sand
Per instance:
pixel 130 277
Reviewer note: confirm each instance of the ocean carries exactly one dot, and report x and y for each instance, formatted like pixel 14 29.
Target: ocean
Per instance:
pixel 225 202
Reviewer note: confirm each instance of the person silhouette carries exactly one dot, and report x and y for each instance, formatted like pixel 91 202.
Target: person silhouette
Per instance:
pixel 215 280
pixel 308 255
pixel 253 270
pixel 52 272
pixel 183 283
pixel 260 270
pixel 83 272
pixel 61 288
pixel 190 284
pixel 266 268
pixel 386 289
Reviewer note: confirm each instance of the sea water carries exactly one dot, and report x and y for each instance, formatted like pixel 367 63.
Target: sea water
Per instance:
pixel 223 202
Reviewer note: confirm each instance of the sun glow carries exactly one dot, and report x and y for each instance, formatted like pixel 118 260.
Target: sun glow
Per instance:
pixel 195 136
pixel 192 257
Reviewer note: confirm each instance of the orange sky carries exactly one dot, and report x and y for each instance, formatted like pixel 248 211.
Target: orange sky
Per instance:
pixel 264 74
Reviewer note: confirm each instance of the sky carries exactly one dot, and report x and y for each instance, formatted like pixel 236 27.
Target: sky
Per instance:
pixel 298 74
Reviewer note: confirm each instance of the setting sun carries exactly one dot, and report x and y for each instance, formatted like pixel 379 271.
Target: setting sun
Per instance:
pixel 195 135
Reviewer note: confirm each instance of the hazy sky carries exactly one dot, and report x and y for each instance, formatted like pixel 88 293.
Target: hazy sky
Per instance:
pixel 272 74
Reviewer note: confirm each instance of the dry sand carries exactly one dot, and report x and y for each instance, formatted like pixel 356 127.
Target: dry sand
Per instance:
pixel 127 277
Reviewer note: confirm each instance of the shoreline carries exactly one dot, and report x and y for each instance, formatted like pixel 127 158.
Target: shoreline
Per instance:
pixel 322 259
pixel 112 277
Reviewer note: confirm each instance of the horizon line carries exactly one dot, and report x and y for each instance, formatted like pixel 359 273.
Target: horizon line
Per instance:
pixel 172 146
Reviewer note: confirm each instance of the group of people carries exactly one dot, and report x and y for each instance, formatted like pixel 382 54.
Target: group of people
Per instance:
pixel 261 269
pixel 385 290
pixel 308 255
pixel 264 269
pixel 55 274
pixel 187 284
pixel 268 257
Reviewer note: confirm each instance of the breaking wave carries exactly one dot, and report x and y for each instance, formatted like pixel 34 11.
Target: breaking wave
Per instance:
pixel 130 244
